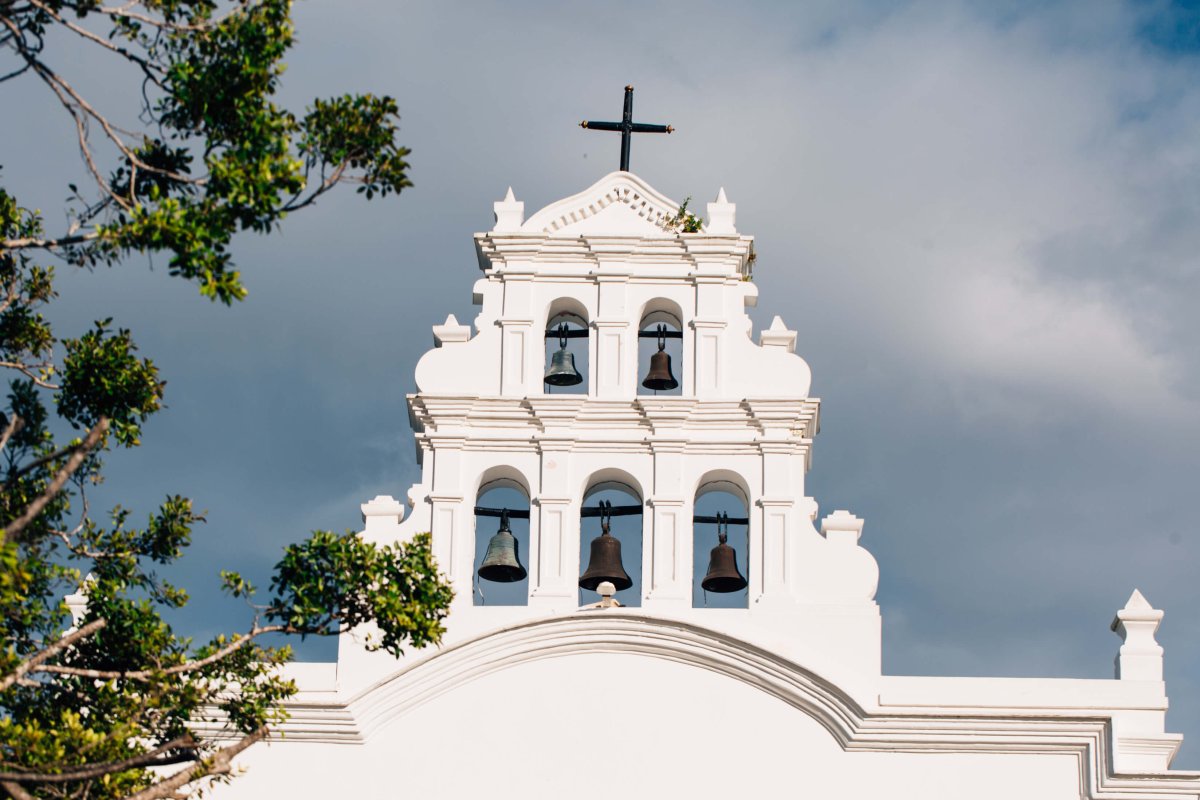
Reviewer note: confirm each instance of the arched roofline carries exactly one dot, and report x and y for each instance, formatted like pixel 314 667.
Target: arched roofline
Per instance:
pixel 628 631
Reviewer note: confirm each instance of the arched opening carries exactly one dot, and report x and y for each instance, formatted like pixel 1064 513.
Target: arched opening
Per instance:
pixel 501 541
pixel 612 503
pixel 721 539
pixel 566 353
pixel 660 349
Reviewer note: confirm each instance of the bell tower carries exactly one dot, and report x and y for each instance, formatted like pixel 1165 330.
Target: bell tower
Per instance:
pixel 613 470
pixel 612 381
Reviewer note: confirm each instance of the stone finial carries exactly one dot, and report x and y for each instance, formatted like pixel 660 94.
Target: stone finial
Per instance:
pixel 778 335
pixel 510 213
pixel 381 513
pixel 606 590
pixel 841 526
pixel 721 215
pixel 1141 657
pixel 450 332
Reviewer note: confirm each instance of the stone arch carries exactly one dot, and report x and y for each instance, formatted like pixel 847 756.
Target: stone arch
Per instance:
pixel 575 314
pixel 505 486
pixel 727 491
pixel 661 311
pixel 627 632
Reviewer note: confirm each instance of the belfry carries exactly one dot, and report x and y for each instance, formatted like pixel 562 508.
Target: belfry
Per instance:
pixel 648 601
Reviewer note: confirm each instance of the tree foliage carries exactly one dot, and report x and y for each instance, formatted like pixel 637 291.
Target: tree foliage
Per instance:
pixel 106 705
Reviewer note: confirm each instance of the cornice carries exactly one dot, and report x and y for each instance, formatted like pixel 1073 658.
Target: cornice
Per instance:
pixel 616 419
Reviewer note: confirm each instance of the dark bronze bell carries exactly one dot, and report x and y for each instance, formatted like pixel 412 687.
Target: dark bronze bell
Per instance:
pixel 659 378
pixel 723 576
pixel 502 562
pixel 605 562
pixel 562 370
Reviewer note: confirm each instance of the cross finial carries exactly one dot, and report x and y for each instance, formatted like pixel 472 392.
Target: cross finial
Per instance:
pixel 626 126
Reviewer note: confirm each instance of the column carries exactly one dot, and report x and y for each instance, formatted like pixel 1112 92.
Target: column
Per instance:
pixel 554 541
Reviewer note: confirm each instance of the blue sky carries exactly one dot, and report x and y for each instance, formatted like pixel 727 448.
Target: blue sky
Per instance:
pixel 981 219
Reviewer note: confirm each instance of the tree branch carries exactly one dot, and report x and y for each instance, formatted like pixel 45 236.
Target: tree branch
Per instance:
pixel 34 662
pixel 48 244
pixel 15 791
pixel 14 424
pixel 219 764
pixel 178 669
pixel 153 758
pixel 32 465
pixel 95 435
pixel 27 371
pixel 147 67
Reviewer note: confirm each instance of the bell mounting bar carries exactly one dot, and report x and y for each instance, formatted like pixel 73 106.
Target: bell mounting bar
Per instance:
pixel 612 511
pixel 718 519
pixel 583 334
pixel 484 511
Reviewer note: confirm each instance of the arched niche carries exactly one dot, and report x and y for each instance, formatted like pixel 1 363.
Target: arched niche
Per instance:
pixel 720 492
pixel 571 313
pixel 623 491
pixel 667 314
pixel 501 487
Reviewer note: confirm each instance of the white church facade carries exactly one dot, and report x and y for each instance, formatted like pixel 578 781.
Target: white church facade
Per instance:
pixel 754 671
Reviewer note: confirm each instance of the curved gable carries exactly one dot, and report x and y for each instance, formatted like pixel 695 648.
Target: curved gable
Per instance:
pixel 620 203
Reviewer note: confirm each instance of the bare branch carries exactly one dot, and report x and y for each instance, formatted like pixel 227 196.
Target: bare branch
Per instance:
pixel 15 791
pixel 34 662
pixel 325 186
pixel 14 424
pixel 28 371
pixel 60 86
pixel 178 669
pixel 219 764
pixel 147 67
pixel 48 244
pixel 32 465
pixel 94 437
pixel 158 757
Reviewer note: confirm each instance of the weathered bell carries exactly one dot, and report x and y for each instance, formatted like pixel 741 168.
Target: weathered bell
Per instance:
pixel 562 370
pixel 605 564
pixel 659 378
pixel 723 575
pixel 502 562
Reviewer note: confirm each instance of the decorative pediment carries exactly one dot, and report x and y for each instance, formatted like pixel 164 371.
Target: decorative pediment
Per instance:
pixel 620 204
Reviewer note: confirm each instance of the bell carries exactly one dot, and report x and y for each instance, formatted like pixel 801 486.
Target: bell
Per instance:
pixel 605 564
pixel 562 370
pixel 723 575
pixel 659 378
pixel 502 563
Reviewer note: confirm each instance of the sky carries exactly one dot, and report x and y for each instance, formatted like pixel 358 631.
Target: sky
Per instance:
pixel 983 220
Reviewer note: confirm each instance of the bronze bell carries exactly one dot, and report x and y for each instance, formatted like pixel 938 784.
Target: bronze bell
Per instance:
pixel 659 378
pixel 562 370
pixel 723 575
pixel 502 562
pixel 605 562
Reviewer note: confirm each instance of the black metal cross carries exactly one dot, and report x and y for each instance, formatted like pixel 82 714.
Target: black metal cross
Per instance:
pixel 626 126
